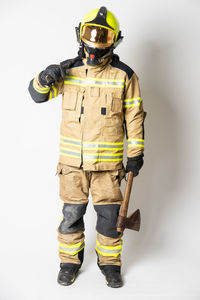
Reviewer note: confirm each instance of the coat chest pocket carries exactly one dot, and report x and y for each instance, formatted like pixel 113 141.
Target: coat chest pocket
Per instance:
pixel 114 103
pixel 116 106
pixel 70 100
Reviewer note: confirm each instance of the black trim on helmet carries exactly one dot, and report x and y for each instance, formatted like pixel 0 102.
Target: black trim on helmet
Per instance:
pixel 100 19
pixel 77 29
pixel 119 40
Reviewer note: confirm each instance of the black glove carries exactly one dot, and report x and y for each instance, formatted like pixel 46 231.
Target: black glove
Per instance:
pixel 134 164
pixel 51 74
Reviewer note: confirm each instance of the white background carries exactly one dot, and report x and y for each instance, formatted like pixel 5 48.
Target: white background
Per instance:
pixel 162 45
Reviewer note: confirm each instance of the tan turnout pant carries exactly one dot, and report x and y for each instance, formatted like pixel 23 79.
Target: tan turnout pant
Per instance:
pixel 107 197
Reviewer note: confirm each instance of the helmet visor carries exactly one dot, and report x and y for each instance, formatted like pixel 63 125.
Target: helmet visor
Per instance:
pixel 96 36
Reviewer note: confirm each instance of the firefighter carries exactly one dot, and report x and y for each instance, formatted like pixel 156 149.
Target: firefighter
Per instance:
pixel 101 103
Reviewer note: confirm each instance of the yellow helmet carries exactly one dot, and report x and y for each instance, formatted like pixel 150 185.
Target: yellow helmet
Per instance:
pixel 100 29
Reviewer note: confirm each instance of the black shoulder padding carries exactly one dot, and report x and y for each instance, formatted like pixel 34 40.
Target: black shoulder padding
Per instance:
pixel 37 97
pixel 116 63
pixel 72 63
pixel 78 63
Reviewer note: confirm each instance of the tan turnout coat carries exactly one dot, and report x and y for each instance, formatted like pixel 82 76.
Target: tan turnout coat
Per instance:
pixel 99 104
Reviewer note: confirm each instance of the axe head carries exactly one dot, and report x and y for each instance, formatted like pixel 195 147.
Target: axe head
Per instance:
pixel 132 222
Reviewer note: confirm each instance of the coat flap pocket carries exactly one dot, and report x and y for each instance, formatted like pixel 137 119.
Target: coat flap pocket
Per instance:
pixel 63 169
pixel 116 105
pixel 69 100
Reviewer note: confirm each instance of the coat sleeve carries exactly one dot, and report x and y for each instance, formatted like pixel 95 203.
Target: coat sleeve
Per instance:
pixel 41 94
pixel 134 117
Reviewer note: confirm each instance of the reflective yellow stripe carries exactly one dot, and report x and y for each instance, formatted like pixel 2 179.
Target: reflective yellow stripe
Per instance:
pixel 99 82
pixel 98 156
pixel 132 102
pixel 70 152
pixel 140 140
pixel 95 79
pixel 108 250
pixel 71 245
pixel 102 148
pixel 98 146
pixel 69 155
pixel 103 159
pixel 53 92
pixel 103 143
pixel 50 95
pixel 103 154
pixel 135 142
pixel 110 247
pixel 66 150
pixel 71 249
pixel 69 138
pixel 40 90
pixel 69 144
pixel 76 151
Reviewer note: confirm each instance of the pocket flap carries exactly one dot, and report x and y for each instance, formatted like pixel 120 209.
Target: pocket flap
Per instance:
pixel 69 100
pixel 63 169
pixel 116 105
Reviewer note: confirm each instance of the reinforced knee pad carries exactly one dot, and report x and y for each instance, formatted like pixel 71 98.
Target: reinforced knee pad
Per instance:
pixel 106 219
pixel 72 218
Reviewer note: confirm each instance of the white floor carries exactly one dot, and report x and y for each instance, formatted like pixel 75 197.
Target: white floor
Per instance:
pixel 30 274
pixel 145 280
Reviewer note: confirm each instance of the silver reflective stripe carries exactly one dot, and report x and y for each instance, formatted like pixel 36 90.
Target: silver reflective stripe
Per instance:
pixel 70 141
pixel 72 249
pixel 132 102
pixel 108 251
pixel 102 157
pixel 74 80
pixel 135 143
pixel 70 152
pixel 39 89
pixel 91 81
pixel 52 92
pixel 101 146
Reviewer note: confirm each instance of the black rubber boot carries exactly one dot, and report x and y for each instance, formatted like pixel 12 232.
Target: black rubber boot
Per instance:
pixel 67 273
pixel 113 275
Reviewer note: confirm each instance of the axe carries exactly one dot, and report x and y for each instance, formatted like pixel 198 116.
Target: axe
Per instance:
pixel 133 221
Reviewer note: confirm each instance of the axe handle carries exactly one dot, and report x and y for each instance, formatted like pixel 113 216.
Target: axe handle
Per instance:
pixel 124 206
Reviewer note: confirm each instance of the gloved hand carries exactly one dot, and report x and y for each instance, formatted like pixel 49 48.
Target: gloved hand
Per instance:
pixel 134 164
pixel 51 74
